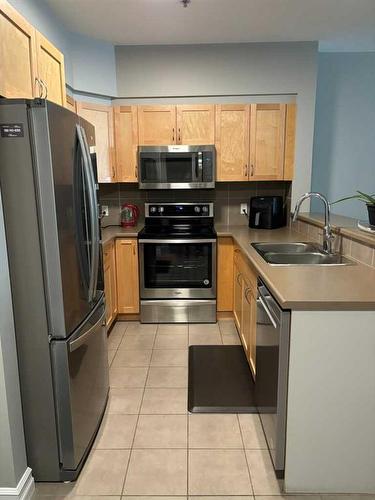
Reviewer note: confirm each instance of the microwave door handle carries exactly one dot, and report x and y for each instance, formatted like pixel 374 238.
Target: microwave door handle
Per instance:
pixel 195 168
pixel 200 166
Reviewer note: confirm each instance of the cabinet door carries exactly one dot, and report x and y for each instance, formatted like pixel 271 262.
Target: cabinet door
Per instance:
pixel 71 104
pixel 51 69
pixel 290 140
pixel 108 285
pixel 127 276
pixel 267 137
pixel 232 142
pixel 156 125
pixel 195 124
pixel 113 284
pixel 126 143
pixel 225 274
pixel 248 325
pixel 102 118
pixel 17 54
pixel 237 293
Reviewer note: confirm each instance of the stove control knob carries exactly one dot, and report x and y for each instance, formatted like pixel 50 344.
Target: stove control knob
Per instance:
pixel 197 209
pixel 152 210
pixel 205 209
pixel 161 210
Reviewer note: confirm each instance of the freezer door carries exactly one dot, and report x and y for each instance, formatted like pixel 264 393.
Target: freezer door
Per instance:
pixel 80 373
pixel 68 216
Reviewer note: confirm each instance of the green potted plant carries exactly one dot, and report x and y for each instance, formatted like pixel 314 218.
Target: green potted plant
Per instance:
pixel 369 199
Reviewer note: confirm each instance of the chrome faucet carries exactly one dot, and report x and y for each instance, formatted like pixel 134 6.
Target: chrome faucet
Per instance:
pixel 328 235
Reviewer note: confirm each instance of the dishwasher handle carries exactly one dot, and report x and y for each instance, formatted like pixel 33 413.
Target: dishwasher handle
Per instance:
pixel 261 301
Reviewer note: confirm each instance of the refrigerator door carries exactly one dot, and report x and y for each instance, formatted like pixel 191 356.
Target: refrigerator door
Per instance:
pixel 68 217
pixel 80 373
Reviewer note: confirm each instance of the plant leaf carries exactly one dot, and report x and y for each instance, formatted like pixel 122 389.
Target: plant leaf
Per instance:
pixel 370 198
pixel 354 197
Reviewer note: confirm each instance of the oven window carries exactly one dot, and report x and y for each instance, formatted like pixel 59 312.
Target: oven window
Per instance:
pixel 177 265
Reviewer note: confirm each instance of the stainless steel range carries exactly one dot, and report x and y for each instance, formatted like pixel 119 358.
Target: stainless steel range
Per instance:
pixel 177 251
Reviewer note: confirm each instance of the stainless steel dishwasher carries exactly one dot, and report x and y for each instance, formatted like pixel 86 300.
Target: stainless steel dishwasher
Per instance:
pixel 272 362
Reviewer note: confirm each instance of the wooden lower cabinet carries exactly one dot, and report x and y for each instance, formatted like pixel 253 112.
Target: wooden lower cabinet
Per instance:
pixel 237 290
pixel 245 305
pixel 248 323
pixel 127 276
pixel 225 274
pixel 110 282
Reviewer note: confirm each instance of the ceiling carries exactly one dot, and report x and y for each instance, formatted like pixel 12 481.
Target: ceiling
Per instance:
pixel 337 24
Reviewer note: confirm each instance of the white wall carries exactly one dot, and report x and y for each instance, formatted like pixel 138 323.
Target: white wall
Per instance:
pixel 330 446
pixel 228 71
pixel 344 146
pixel 12 444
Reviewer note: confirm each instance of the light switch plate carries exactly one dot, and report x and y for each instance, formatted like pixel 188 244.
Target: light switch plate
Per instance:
pixel 105 211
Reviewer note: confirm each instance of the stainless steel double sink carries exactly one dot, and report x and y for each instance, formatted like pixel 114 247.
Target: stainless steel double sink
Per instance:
pixel 298 253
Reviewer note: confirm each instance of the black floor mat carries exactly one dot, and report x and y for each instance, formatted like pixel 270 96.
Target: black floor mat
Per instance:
pixel 220 380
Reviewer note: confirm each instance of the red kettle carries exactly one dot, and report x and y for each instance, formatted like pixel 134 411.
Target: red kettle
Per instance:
pixel 129 215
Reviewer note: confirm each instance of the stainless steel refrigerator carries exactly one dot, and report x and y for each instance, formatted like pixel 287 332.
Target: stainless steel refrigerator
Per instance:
pixel 48 185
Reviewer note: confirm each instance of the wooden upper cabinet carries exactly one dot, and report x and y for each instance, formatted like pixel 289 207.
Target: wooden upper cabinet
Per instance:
pixel 267 138
pixel 17 54
pixel 156 125
pixel 102 118
pixel 290 140
pixel 71 104
pixel 232 142
pixel 51 69
pixel 196 124
pixel 126 143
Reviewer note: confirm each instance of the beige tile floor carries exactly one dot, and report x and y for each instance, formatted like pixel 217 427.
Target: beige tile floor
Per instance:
pixel 150 447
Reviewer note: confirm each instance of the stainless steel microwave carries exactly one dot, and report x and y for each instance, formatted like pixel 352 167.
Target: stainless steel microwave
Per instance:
pixel 176 167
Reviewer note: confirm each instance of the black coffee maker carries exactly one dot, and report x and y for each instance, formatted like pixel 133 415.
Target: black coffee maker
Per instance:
pixel 267 212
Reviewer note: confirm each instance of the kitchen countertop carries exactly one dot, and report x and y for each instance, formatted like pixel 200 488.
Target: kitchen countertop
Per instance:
pixel 307 287
pixel 294 287
pixel 111 232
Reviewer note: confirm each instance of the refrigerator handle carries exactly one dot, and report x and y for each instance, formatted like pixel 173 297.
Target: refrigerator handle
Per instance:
pixel 96 237
pixel 93 213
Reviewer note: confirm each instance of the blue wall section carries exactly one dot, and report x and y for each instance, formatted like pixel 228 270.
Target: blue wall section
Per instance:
pixel 344 139
pixel 89 64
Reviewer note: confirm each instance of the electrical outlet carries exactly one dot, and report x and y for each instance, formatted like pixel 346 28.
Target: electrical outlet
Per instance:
pixel 243 209
pixel 105 211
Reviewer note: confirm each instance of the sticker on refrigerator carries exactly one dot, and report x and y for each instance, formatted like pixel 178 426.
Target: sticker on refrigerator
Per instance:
pixel 11 130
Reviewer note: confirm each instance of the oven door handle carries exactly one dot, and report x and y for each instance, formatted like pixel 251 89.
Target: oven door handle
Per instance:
pixel 261 301
pixel 183 241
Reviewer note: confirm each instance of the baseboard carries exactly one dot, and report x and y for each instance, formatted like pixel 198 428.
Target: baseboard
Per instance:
pixel 225 315
pixel 24 489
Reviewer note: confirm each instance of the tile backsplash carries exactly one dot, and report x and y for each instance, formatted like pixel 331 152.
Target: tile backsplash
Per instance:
pixel 226 196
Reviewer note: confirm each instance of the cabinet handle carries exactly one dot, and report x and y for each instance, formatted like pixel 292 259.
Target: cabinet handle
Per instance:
pixel 133 249
pixel 246 170
pixel 45 89
pixel 173 135
pixel 252 170
pixel 39 83
pixel 136 171
pixel 238 277
pixel 179 135
pixel 113 173
pixel 246 295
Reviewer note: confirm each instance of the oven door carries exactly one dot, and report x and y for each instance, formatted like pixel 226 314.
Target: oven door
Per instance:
pixel 178 269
